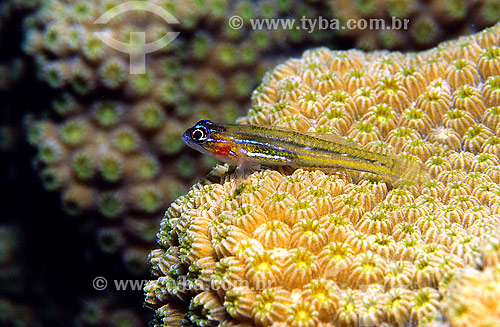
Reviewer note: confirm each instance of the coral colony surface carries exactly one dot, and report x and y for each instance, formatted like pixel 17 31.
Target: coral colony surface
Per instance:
pixel 309 248
pixel 110 141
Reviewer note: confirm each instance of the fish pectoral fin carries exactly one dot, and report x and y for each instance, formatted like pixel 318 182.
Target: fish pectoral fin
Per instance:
pixel 245 166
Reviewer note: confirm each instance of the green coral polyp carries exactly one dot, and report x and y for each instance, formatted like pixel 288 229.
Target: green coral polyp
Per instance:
pixel 111 205
pixel 201 45
pixel 213 86
pixel 83 165
pixel 143 83
pixel 247 54
pixel 456 8
pixel 111 168
pixel 71 205
pixel 366 7
pixel 81 81
pixel 51 179
pixel 170 92
pixel 66 105
pixel 93 48
pixel 227 55
pixel 151 115
pixel 171 66
pixel 172 142
pixel 261 39
pixel 149 199
pixel 52 39
pixel 185 166
pixel 73 133
pixel 113 74
pixel 126 140
pixel 82 11
pixel 491 11
pixel 401 8
pixel 190 82
pixel 107 114
pixel 423 30
pixel 49 152
pixel 53 75
pixel 243 84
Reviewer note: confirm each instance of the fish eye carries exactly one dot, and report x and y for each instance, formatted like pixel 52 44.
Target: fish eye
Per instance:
pixel 199 134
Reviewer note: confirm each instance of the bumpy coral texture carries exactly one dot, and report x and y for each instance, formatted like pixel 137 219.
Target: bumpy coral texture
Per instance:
pixel 112 143
pixel 315 249
pixel 463 305
pixel 428 22
pixel 16 296
pixel 12 71
pixel 107 309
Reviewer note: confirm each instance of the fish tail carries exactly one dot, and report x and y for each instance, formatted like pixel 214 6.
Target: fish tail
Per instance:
pixel 408 172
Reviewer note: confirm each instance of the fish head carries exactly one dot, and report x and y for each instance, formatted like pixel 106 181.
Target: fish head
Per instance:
pixel 210 138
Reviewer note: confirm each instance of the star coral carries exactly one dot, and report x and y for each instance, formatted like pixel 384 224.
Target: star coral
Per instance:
pixel 389 252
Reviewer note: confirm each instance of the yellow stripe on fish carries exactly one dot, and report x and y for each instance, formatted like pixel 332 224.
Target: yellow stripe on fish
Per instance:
pixel 249 145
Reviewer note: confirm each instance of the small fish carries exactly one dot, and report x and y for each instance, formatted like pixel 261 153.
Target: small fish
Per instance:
pixel 252 146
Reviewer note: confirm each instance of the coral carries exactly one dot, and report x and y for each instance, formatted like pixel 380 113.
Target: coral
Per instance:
pixel 13 75
pixel 427 21
pixel 463 305
pixel 113 132
pixel 17 307
pixel 208 71
pixel 389 251
pixel 106 310
pixel 264 260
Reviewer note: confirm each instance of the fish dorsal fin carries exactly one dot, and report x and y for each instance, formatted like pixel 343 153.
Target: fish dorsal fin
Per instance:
pixel 324 136
pixel 333 138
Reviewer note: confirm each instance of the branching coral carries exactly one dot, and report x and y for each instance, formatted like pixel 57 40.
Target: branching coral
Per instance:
pixel 390 252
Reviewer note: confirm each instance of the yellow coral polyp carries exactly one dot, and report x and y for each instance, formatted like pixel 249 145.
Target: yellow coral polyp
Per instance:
pixel 273 234
pixel 302 315
pixel 264 269
pixel 299 268
pixel 322 296
pixel 366 268
pixel 239 302
pixel 271 306
pixel 375 222
pixel 308 234
pixel 248 217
